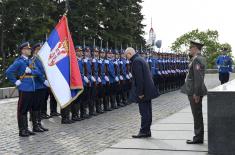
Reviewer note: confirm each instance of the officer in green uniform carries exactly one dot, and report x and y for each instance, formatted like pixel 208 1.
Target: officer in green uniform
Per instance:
pixel 195 88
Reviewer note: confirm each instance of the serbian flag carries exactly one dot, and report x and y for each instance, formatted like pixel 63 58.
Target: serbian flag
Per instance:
pixel 60 63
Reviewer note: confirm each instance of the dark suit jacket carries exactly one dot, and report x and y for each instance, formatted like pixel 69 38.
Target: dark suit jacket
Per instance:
pixel 142 82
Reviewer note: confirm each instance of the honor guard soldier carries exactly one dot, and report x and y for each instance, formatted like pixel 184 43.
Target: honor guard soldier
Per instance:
pixel 99 55
pixel 119 78
pixel 113 78
pixel 94 78
pixel 124 78
pixel 99 70
pixel 41 87
pixel 86 95
pixel 75 106
pixel 22 74
pixel 105 79
pixel 224 64
pixel 195 89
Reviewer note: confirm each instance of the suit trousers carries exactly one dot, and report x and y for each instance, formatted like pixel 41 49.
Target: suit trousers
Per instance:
pixel 198 118
pixel 145 109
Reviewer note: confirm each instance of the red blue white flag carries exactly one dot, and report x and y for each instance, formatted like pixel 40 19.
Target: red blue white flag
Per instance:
pixel 60 63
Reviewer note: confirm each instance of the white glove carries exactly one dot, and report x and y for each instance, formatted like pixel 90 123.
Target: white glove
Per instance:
pixel 93 60
pixel 93 79
pixel 115 62
pixel 17 83
pixel 46 83
pixel 85 60
pixel 159 73
pixel 127 76
pixel 218 66
pixel 99 80
pixel 120 62
pixel 86 79
pixel 116 79
pixel 130 75
pixel 121 78
pixel 106 78
pixel 28 70
pixel 106 61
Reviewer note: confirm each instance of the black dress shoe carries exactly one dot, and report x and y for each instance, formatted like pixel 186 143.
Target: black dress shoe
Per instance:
pixel 76 118
pixel 37 128
pixel 66 121
pixel 43 128
pixel 54 114
pixel 31 133
pixel 142 135
pixel 194 141
pixel 45 116
pixel 23 133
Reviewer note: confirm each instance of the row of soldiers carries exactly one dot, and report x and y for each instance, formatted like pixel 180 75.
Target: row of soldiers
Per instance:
pixel 107 77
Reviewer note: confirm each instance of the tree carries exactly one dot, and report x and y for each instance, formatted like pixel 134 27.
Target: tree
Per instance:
pixel 212 47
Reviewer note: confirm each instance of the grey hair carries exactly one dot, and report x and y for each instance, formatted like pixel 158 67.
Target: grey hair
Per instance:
pixel 130 50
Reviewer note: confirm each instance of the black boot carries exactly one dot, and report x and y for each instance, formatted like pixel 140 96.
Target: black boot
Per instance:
pixel 44 115
pixel 98 106
pixel 106 104
pixel 36 127
pixel 75 112
pixel 92 111
pixel 65 116
pixel 39 122
pixel 124 98
pixel 25 122
pixel 83 111
pixel 113 103
pixel 22 131
pixel 119 103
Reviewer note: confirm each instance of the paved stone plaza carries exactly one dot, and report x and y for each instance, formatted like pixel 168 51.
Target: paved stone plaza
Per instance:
pixel 89 136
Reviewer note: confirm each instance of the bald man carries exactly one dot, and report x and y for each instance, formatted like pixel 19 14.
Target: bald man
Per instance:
pixel 142 91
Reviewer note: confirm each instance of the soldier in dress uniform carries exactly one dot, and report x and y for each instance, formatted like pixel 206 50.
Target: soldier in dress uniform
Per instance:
pixel 94 78
pixel 86 97
pixel 195 88
pixel 119 78
pixel 40 93
pixel 106 99
pixel 75 105
pixel 113 78
pixel 224 64
pixel 99 70
pixel 22 74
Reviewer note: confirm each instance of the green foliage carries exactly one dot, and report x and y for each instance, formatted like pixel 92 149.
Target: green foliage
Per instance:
pixel 212 48
pixel 118 22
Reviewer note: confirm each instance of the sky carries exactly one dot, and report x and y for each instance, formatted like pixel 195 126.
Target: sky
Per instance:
pixel 173 18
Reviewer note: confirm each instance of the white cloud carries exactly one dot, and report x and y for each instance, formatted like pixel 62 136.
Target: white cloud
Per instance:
pixel 172 18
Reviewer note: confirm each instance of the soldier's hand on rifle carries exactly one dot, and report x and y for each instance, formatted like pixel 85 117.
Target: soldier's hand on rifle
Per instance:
pixel 17 83
pixel 28 70
pixel 46 83
pixel 121 78
pixel 106 78
pixel 86 79
pixel 116 79
pixel 127 76
pixel 93 79
pixel 130 75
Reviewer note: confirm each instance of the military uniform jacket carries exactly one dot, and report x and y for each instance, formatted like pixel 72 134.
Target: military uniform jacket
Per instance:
pixel 194 82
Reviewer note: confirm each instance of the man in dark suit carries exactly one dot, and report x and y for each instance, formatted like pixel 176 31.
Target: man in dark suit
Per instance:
pixel 142 92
